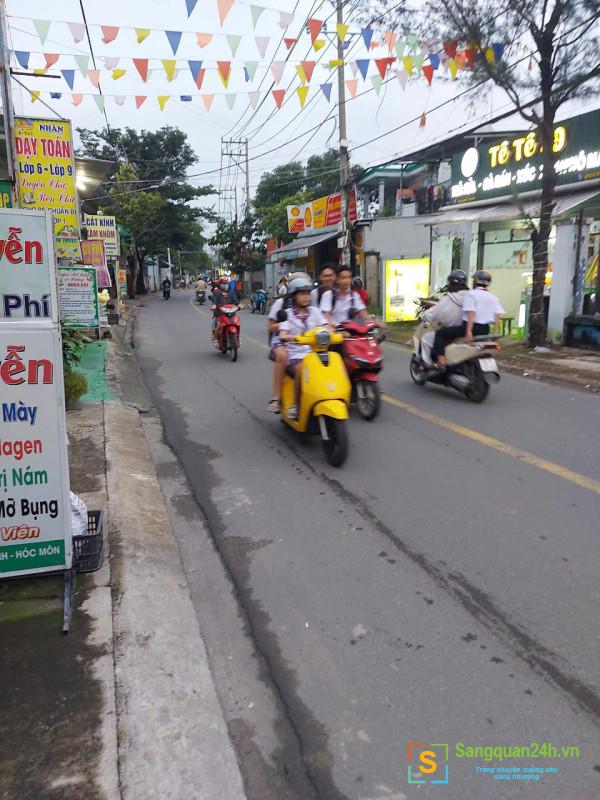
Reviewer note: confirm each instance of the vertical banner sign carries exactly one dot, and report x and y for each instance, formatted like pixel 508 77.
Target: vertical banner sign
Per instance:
pixel 405 281
pixel 46 175
pixel 104 227
pixel 92 255
pixel 34 469
pixel 27 285
pixel 78 297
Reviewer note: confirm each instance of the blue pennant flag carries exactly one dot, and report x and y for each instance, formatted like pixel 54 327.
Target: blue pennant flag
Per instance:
pixel 69 76
pixel 363 66
pixel 186 98
pixel 195 67
pixel 326 89
pixel 367 34
pixel 498 49
pixel 56 95
pixel 23 58
pixel 174 38
pixel 190 5
pixel 434 60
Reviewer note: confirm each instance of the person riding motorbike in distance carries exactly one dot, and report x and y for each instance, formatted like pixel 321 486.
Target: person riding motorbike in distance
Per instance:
pixel 480 310
pixel 222 297
pixel 201 284
pixel 357 286
pixel 446 313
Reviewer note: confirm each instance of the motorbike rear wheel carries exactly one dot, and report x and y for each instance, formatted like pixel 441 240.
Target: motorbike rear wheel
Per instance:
pixel 478 388
pixel 368 399
pixel 336 446
pixel 415 373
pixel 233 347
pixel 263 309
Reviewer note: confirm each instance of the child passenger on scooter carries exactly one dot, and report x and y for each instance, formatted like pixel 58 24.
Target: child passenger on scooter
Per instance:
pixel 301 317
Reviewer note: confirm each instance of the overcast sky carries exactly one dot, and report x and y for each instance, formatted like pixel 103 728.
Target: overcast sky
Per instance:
pixel 269 130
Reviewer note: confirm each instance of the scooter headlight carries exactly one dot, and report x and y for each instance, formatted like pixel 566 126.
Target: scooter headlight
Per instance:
pixel 323 338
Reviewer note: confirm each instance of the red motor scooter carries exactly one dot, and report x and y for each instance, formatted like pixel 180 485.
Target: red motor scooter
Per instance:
pixel 363 358
pixel 227 332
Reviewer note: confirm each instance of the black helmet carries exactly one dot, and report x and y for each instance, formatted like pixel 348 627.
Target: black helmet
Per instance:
pixel 457 280
pixel 482 278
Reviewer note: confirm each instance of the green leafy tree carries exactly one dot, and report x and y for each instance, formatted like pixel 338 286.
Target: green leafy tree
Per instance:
pixel 240 244
pixel 273 219
pixel 281 182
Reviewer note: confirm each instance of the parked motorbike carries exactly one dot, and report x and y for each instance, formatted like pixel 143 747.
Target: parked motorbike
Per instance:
pixel 470 366
pixel 258 301
pixel 363 358
pixel 200 296
pixel 324 395
pixel 227 332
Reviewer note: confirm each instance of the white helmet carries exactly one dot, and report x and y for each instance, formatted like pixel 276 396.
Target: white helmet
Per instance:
pixel 299 285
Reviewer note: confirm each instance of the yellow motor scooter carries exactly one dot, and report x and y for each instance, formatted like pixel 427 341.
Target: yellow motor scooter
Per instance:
pixel 324 394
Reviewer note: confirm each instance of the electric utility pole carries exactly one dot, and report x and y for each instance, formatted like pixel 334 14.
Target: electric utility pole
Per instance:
pixel 7 105
pixel 234 156
pixel 344 160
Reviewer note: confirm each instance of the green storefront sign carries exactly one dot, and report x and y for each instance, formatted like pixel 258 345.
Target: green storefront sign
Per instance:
pixel 513 165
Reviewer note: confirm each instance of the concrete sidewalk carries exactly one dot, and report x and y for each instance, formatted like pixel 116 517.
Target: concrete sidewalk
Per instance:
pixel 124 707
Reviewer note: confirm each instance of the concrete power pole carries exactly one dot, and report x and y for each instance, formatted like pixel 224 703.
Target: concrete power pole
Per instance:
pixel 344 159
pixel 7 105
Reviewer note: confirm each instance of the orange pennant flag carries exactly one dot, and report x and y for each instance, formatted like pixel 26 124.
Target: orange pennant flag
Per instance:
pixel 390 39
pixel 109 33
pixel 423 120
pixel 140 99
pixel 309 68
pixel 76 98
pixel 94 77
pixel 203 39
pixel 141 64
pixel 224 70
pixel 224 7
pixel 289 43
pixel 314 26
pixel 352 87
pixel 207 99
pixel 278 95
pixel 51 58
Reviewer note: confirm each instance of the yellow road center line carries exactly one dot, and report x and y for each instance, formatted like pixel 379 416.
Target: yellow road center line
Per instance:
pixel 481 438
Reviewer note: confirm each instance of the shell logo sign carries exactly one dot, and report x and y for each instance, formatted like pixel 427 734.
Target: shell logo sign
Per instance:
pixel 320 213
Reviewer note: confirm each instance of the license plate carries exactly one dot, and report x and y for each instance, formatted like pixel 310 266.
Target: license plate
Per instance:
pixel 488 365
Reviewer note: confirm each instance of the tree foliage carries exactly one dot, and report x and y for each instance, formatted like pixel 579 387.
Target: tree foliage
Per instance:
pixel 240 244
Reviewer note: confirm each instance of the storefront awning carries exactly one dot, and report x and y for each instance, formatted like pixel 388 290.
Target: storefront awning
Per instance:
pixel 563 204
pixel 299 247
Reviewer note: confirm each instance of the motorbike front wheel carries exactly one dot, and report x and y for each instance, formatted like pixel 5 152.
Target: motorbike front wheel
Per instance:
pixel 336 446
pixel 263 310
pixel 233 347
pixel 367 399
pixel 415 373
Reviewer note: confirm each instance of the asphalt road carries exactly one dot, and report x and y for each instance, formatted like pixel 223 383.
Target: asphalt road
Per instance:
pixel 442 587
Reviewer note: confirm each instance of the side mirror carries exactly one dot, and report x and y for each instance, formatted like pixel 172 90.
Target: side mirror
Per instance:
pixel 282 315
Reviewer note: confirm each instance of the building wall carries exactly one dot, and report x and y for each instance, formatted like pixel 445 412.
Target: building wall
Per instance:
pixel 396 237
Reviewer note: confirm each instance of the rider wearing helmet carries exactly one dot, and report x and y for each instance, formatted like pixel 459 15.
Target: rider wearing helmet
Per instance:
pixel 445 314
pixel 480 310
pixel 300 317
pixel 357 286
pixel 222 297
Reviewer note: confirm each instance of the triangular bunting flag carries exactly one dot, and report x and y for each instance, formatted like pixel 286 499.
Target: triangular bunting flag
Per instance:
pixel 140 99
pixel 111 62
pixel 83 64
pixel 99 100
pixel 383 64
pixel 319 44
pixel 253 98
pixel 278 95
pixel 354 69
pixel 377 82
pixel 309 68
pixel 120 99
pixel 489 54
pixel 51 58
pixel 301 73
pixel 363 66
pixel 224 7
pixel 326 89
pixel 262 42
pixel 277 68
pixel 169 66
pixel 230 100
pixel 195 69
pixel 174 38
pixel 77 30
pixel 56 95
pixel 336 62
pixel 39 71
pixel 402 79
pixel 256 12
pixel 34 94
pixel 423 120
pixel 471 55
pixel 69 76
pixel 314 26
pixel 412 40
pixel 400 48
pixel 390 38
pixel 462 59
pixel 162 100
pixel 190 5
pixel 42 27
pixel 451 47
pixel 185 98
pixel 142 34
pixel 342 30
pixel 109 33
pixel 118 73
pixel 22 57
pixel 207 99
pixel 234 43
pixel 498 49
pixel 285 19
pixel 302 94
pixel 352 87
pixel 434 60
pixel 428 72
pixel 224 71
pixel 203 39
pixel 418 60
pixel 250 67
pixel 453 65
pixel 94 77
pixel 408 64
pixel 367 35
pixel 141 64
pixel 289 43
pixel 76 99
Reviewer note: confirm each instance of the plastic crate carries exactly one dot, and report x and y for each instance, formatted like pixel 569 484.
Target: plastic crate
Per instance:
pixel 88 549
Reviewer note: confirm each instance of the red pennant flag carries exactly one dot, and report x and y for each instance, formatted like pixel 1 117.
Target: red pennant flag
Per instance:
pixel 109 33
pixel 314 26
pixel 141 64
pixel 278 95
pixel 383 64
pixel 423 121
pixel 470 55
pixel 51 58
pixel 139 100
pixel 289 43
pixel 200 78
pixel 309 68
pixel 224 69
pixel 451 47
pixel 428 72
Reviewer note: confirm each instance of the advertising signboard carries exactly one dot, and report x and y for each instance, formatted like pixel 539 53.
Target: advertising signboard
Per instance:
pixel 509 166
pixel 320 213
pixel 35 528
pixel 92 255
pixel 46 175
pixel 406 280
pixel 5 195
pixel 27 285
pixel 104 227
pixel 78 296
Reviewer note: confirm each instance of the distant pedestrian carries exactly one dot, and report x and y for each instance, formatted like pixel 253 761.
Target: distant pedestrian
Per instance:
pixel 282 287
